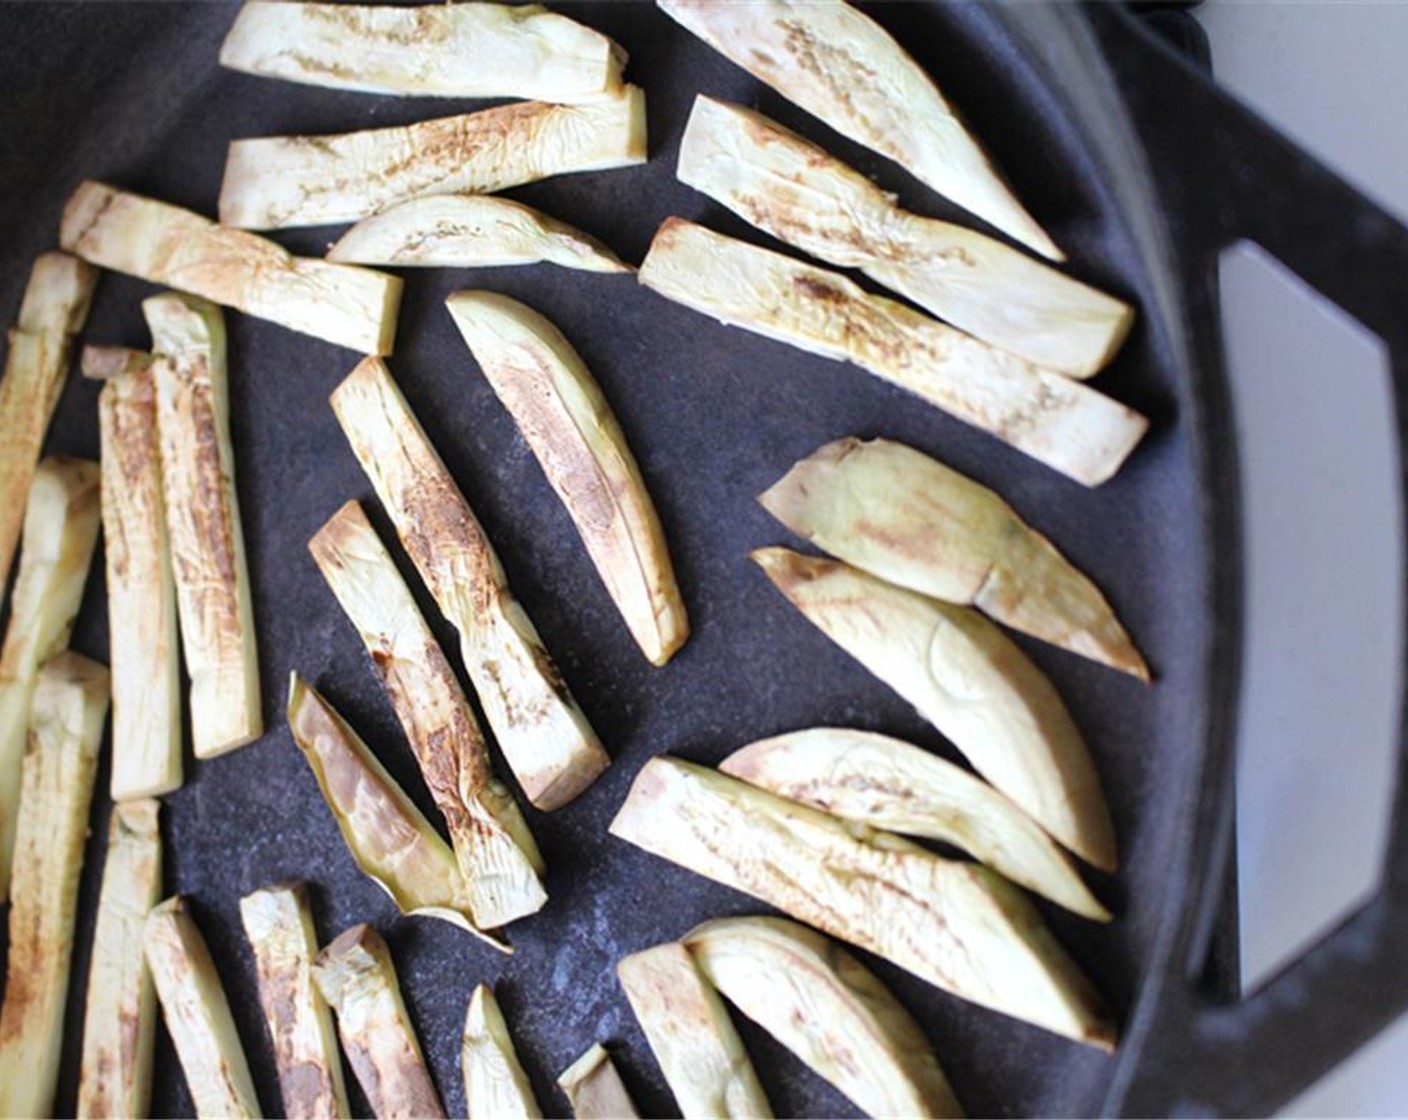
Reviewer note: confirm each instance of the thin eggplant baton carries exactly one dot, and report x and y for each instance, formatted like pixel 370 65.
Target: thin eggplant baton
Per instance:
pixel 1056 420
pixel 545 738
pixel 440 50
pixel 565 417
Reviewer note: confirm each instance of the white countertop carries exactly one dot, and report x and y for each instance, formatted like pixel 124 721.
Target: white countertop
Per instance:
pixel 1324 546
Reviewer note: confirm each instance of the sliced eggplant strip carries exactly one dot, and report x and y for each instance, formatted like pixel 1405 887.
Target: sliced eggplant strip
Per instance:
pixel 278 921
pixel 54 309
pixel 275 182
pixel 900 515
pixel 164 244
pixel 842 67
pixel 119 1019
pixel 1060 422
pixel 828 1009
pixel 495 1086
pixel 441 50
pixel 205 535
pixel 970 681
pixel 470 231
pixel 543 734
pixel 197 1015
pixel 389 838
pixel 358 979
pixel 691 1035
pixel 566 420
pixel 594 1088
pixel 955 925
pixel 142 634
pixel 60 530
pixel 888 784
pixel 65 732
pixel 796 191
pixel 498 858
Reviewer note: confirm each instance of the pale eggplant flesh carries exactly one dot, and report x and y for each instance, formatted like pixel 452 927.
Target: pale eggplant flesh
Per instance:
pixel 1055 419
pixel 828 1009
pixel 907 518
pixel 65 731
pixel 495 1085
pixel 689 1032
pixel 799 193
pixel 892 785
pixel 357 977
pixel 499 860
pixel 388 837
pixel 470 231
pixel 970 681
pixel 841 66
pixel 277 182
pixel 956 925
pixel 197 1015
pixel 567 421
pixel 441 50
pixel 594 1088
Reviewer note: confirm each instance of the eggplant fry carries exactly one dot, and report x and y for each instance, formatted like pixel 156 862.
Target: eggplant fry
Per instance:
pixel 543 734
pixel 1056 420
pixel 796 191
pixel 142 633
pixel 53 311
pixel 888 784
pixel 440 50
pixel 278 921
pixel 197 1014
pixel 65 732
pixel 898 514
pixel 206 537
pixel 60 531
pixel 470 231
pixel 119 1019
pixel 389 838
pixel 497 855
pixel 844 68
pixel 955 925
pixel 495 1086
pixel 565 418
pixel 594 1088
pixel 275 182
pixel 828 1009
pixel 970 681
pixel 691 1035
pixel 358 979
pixel 164 244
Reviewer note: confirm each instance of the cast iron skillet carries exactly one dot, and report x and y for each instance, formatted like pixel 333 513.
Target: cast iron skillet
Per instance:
pixel 1138 166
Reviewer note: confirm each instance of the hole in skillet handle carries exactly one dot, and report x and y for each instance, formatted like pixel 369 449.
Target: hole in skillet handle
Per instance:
pixel 1224 176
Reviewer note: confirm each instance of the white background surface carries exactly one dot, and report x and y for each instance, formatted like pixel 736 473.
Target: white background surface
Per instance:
pixel 1324 605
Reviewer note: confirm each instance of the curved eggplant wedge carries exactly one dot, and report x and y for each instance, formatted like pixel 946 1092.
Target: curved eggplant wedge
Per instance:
pixel 970 681
pixel 828 1009
pixel 900 515
pixel 562 413
pixel 888 784
pixel 953 924
pixel 470 231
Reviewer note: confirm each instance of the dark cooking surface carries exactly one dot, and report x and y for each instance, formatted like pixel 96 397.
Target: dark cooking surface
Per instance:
pixel 131 93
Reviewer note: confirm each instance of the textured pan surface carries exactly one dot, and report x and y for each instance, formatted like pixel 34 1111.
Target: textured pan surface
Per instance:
pixel 131 93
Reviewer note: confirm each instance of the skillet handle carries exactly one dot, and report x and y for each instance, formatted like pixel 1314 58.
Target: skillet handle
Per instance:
pixel 1224 175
